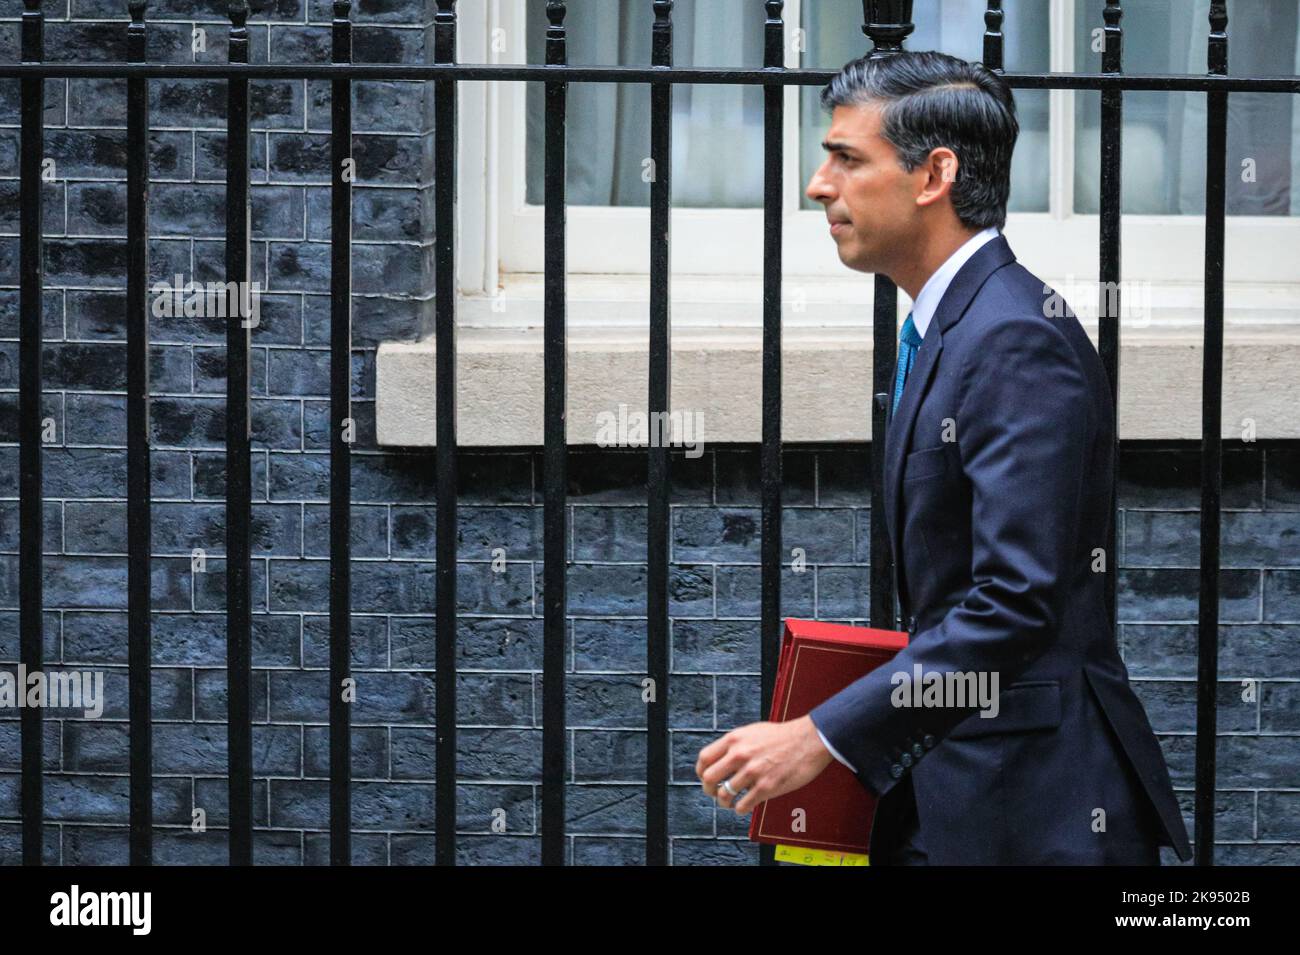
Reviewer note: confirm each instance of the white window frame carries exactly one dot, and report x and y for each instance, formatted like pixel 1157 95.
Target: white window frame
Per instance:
pixel 500 242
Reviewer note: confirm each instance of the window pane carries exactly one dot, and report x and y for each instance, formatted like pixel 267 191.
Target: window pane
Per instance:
pixel 1163 167
pixel 834 36
pixel 717 135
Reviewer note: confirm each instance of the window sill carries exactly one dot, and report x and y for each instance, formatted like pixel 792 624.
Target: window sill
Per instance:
pixel 826 374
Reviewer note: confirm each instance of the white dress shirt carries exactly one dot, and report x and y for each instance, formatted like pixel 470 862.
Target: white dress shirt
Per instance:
pixel 922 311
pixel 927 300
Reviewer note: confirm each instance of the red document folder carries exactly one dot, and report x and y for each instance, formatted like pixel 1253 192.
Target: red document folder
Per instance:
pixel 817 661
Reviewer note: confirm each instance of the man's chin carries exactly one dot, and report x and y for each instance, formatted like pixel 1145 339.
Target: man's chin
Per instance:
pixel 858 262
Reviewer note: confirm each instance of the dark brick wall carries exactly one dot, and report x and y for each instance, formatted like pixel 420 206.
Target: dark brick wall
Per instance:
pixel 715 648
pixel 715 520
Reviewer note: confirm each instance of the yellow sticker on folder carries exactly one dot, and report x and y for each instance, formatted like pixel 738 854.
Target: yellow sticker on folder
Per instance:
pixel 801 855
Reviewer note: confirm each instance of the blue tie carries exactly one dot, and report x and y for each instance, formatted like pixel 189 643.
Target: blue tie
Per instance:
pixel 908 342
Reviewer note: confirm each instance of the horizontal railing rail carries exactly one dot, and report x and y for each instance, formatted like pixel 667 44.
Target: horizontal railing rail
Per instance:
pixel 670 76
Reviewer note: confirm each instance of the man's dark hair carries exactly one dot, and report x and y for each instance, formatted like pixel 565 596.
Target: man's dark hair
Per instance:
pixel 929 99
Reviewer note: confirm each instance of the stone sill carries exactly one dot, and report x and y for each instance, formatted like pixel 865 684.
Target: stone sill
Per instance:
pixel 717 373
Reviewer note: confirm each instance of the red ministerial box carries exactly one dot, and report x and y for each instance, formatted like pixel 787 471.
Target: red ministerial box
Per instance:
pixel 817 661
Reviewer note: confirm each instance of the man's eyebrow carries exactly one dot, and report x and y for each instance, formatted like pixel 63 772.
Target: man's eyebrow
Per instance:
pixel 836 146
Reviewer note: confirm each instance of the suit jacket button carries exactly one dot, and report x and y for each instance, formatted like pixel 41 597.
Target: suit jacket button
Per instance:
pixel 911 624
pixel 896 770
pixel 928 741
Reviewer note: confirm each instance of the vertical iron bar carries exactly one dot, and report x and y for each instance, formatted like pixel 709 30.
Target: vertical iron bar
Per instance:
pixel 239 676
pixel 444 197
pixel 554 472
pixel 770 454
pixel 658 477
pixel 343 433
pixel 993 41
pixel 30 518
pixel 1108 306
pixel 1207 644
pixel 884 574
pixel 138 490
pixel 887 23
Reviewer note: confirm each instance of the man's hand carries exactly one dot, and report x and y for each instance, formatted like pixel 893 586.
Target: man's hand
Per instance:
pixel 768 759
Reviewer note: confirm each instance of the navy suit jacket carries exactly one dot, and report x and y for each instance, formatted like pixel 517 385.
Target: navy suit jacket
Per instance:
pixel 998 470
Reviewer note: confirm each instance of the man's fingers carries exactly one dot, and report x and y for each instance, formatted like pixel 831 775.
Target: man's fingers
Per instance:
pixel 725 798
pixel 711 753
pixel 751 799
pixel 745 778
pixel 703 764
pixel 751 760
pixel 721 769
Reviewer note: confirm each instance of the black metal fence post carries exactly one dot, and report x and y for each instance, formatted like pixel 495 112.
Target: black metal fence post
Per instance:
pixel 554 455
pixel 240 312
pixel 888 23
pixel 1207 644
pixel 770 451
pixel 343 432
pixel 444 198
pixel 1108 306
pixel 31 569
pixel 658 477
pixel 993 41
pixel 139 496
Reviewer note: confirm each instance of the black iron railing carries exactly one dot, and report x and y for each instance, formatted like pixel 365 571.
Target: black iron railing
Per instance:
pixel 887 24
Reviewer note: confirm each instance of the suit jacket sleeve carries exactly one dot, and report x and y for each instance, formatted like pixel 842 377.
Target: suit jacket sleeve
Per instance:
pixel 1023 431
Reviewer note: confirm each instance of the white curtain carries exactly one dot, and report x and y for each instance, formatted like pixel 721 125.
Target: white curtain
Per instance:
pixel 1164 133
pixel 717 131
pixel 1263 168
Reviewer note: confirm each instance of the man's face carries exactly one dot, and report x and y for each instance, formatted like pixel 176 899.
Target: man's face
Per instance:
pixel 870 200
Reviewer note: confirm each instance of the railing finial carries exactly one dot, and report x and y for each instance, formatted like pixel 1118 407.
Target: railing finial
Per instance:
pixel 887 23
pixel 33 32
pixel 993 39
pixel 444 32
pixel 135 35
pixel 341 32
pixel 1113 37
pixel 1217 55
pixel 237 47
pixel 774 35
pixel 555 32
pixel 1219 16
pixel 661 37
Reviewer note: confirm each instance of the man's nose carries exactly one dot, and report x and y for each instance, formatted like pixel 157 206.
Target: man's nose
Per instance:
pixel 819 187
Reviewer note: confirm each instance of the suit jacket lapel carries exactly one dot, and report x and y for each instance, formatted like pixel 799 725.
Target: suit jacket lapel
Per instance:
pixel 898 435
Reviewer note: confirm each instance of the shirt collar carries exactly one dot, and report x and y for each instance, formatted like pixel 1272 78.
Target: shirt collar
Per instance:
pixel 932 292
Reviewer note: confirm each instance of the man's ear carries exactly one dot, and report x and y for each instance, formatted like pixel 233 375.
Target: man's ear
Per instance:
pixel 941 170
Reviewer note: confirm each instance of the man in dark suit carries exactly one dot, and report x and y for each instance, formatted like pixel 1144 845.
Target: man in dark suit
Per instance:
pixel 998 462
